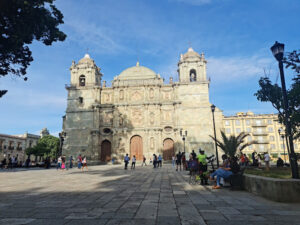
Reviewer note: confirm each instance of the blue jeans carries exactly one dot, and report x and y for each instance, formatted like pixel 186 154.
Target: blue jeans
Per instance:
pixel 173 163
pixel 221 173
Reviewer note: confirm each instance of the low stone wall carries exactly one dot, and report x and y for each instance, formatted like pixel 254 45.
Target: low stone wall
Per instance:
pixel 280 190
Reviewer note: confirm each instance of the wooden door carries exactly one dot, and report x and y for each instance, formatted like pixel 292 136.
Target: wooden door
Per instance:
pixel 105 155
pixel 168 151
pixel 136 147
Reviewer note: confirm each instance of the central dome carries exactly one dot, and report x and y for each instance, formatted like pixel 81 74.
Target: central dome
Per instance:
pixel 137 73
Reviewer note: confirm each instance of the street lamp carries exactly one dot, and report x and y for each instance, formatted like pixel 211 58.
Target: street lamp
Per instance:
pixel 278 50
pixel 282 137
pixel 183 138
pixel 213 108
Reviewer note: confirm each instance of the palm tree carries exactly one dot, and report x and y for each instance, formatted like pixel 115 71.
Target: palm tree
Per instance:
pixel 230 145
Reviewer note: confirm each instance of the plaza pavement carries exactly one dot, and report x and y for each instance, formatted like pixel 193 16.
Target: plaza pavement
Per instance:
pixel 110 195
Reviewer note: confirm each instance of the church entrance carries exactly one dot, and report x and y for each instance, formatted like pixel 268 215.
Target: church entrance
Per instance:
pixel 168 150
pixel 105 155
pixel 136 147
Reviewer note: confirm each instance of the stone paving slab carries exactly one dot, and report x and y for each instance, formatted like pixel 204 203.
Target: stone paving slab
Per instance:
pixel 110 195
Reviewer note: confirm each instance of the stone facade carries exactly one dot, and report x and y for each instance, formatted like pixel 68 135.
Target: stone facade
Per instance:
pixel 139 114
pixel 263 128
pixel 15 145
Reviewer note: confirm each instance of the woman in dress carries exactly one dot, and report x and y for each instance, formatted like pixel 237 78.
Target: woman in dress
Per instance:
pixel 84 164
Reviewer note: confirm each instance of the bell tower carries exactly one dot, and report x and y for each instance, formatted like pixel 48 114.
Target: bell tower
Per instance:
pixel 192 67
pixel 85 73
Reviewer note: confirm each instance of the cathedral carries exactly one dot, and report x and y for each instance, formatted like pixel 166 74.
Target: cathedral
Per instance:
pixel 139 114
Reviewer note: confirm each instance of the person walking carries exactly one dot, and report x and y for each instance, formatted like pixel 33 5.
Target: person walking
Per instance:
pixel 59 160
pixel 126 161
pixel 183 159
pixel 133 162
pixel 63 164
pixel 154 161
pixel 173 160
pixel 144 161
pixel 178 160
pixel 84 164
pixel 79 161
pixel 194 155
pixel 267 160
pixel 259 160
pixel 71 162
pixel 159 161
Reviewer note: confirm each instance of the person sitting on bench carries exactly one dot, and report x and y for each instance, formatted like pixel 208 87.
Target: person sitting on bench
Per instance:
pixel 225 173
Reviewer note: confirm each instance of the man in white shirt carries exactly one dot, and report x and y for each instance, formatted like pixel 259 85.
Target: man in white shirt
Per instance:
pixel 267 160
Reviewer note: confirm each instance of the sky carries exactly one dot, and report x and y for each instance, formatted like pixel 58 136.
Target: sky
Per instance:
pixel 234 35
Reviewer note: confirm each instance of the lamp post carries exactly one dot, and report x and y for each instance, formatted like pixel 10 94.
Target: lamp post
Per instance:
pixel 183 135
pixel 282 137
pixel 213 108
pixel 278 50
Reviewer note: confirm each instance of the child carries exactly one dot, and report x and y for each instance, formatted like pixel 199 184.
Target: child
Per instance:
pixel 133 162
pixel 84 164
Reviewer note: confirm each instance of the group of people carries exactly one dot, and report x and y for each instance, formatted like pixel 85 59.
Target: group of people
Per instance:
pixel 82 163
pixel 197 164
pixel 62 163
pixel 157 161
pixel 11 163
pixel 133 161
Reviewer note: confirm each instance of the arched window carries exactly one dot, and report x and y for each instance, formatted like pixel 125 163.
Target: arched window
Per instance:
pixel 82 80
pixel 193 75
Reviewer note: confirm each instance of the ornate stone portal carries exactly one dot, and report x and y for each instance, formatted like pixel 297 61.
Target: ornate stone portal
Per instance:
pixel 139 114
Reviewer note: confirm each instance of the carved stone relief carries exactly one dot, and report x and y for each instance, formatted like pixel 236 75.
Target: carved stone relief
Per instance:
pixel 121 120
pixel 151 116
pixel 167 95
pixel 151 93
pixel 152 142
pixel 136 117
pixel 121 96
pixel 167 116
pixel 107 98
pixel 108 117
pixel 136 96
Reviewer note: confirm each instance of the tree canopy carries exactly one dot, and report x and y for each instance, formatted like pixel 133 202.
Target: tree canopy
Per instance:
pixel 272 93
pixel 46 146
pixel 232 144
pixel 21 22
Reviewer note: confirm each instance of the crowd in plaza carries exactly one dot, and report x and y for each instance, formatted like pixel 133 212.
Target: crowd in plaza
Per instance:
pixel 197 165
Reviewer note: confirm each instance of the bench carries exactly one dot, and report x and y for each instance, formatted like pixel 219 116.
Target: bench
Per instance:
pixel 236 180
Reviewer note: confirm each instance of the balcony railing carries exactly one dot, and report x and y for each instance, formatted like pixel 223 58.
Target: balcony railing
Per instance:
pixel 11 148
pixel 19 148
pixel 262 141
pixel 260 133
pixel 261 124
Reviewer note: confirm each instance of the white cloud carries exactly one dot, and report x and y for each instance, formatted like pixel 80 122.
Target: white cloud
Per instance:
pixel 228 69
pixel 97 37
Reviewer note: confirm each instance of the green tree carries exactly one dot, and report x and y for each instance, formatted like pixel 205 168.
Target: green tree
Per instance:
pixel 232 144
pixel 49 145
pixel 46 146
pixel 31 151
pixel 272 93
pixel 21 22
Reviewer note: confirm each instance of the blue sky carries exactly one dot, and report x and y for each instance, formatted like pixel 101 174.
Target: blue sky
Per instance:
pixel 235 36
